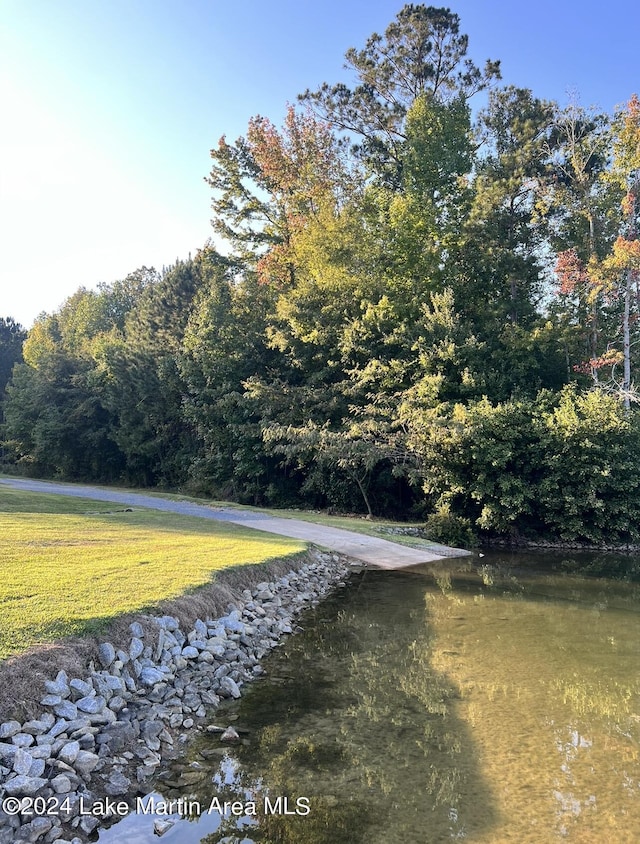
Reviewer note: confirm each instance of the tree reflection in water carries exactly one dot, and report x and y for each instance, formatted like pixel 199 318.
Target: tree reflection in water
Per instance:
pixel 445 702
pixel 355 718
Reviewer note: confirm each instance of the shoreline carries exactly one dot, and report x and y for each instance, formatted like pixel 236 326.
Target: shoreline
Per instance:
pixel 106 733
pixel 558 545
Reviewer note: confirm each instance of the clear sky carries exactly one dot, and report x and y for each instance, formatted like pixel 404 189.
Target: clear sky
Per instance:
pixel 108 110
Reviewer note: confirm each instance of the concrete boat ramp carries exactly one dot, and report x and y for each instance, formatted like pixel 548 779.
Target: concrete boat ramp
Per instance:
pixel 379 553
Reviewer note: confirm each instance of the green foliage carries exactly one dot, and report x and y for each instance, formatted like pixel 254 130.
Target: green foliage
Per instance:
pixel 12 336
pixel 55 422
pixel 590 488
pixel 479 461
pixel 449 529
pixel 421 54
pixel 568 465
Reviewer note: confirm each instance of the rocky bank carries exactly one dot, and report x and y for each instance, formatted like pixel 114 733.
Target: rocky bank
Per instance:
pixel 106 734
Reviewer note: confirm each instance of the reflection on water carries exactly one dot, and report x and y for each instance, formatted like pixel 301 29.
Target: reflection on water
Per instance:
pixel 494 703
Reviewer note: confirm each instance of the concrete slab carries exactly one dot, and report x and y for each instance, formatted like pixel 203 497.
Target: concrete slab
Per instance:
pixel 380 553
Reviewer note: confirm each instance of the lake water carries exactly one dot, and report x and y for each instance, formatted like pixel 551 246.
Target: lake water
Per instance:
pixel 482 700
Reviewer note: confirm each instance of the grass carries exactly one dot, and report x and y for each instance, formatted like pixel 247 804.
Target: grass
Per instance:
pixel 68 566
pixel 359 524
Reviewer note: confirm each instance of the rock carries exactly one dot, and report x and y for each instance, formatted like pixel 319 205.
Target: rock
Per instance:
pixel 216 646
pixel 106 654
pixel 206 657
pixel 37 728
pixel 117 784
pixel 149 732
pixel 41 751
pixel 150 759
pixel 66 710
pixel 22 740
pixel 85 762
pixel 119 735
pixel 88 823
pixel 192 701
pixel 162 826
pixel 190 652
pixel 232 622
pixel 115 684
pixel 58 728
pixel 150 676
pixel 99 719
pixel 79 688
pixel 101 687
pixel 166 737
pixel 22 762
pixel 117 704
pixel 136 648
pixel 9 729
pixel 37 768
pixel 69 752
pixel 129 682
pixel 86 739
pixel 91 704
pixel 51 700
pixel 24 786
pixel 36 828
pixel 159 644
pixel 229 687
pixel 200 628
pixel 230 735
pixel 59 686
pixel 61 784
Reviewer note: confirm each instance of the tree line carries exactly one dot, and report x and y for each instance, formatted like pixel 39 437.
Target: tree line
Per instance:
pixel 410 307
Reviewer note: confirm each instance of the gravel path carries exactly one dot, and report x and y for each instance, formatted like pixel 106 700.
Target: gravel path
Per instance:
pixel 380 553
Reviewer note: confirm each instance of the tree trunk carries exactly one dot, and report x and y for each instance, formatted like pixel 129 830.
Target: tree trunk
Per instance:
pixel 364 496
pixel 626 384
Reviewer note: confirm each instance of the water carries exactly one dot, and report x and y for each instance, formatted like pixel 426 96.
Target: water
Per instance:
pixel 449 702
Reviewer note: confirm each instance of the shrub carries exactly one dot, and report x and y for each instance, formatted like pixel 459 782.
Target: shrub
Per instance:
pixel 443 526
pixel 590 486
pixel 564 465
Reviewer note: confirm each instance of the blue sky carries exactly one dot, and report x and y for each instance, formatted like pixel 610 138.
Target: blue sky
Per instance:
pixel 109 110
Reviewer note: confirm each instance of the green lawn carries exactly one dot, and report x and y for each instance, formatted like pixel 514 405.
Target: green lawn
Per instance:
pixel 68 565
pixel 360 524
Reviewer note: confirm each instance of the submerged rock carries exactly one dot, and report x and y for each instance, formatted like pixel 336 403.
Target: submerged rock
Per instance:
pixel 162 826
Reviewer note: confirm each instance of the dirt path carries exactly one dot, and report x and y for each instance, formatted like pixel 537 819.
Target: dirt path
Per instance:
pixel 380 553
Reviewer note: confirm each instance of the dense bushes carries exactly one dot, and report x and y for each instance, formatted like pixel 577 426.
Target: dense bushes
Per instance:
pixel 565 464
